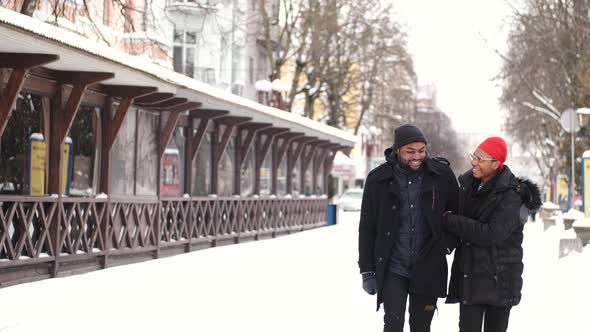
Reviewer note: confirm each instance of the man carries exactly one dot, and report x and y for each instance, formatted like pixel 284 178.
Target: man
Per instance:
pixel 486 277
pixel 402 247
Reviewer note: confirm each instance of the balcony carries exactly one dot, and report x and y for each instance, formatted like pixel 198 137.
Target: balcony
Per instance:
pixel 192 7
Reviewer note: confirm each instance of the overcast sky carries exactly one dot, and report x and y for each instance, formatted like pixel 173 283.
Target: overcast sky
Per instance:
pixel 445 39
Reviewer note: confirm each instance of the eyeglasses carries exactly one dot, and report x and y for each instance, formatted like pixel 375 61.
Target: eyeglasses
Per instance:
pixel 479 159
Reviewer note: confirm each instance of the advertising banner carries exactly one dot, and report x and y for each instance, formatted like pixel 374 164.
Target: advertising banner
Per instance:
pixel 67 166
pixel 37 165
pixel 562 192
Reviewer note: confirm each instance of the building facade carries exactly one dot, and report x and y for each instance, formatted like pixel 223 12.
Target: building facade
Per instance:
pixel 218 42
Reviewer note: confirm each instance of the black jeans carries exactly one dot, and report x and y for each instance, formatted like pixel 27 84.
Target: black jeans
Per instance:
pixel 395 294
pixel 495 319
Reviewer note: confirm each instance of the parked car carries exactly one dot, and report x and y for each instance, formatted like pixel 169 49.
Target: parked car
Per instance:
pixel 350 200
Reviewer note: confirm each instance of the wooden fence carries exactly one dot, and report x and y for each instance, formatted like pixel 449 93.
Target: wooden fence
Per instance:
pixel 56 236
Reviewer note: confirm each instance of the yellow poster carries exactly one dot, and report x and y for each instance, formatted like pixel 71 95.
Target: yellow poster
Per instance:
pixel 37 171
pixel 561 192
pixel 586 188
pixel 65 167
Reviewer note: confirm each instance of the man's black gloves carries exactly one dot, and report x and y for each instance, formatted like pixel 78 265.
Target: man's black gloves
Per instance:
pixel 369 282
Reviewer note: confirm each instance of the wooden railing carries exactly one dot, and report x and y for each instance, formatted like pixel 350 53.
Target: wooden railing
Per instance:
pixel 43 237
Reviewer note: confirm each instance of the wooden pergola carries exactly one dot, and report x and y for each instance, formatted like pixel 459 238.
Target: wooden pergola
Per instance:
pixel 56 234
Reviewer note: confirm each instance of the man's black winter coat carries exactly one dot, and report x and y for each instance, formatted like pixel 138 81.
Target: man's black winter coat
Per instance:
pixel 487 268
pixel 380 221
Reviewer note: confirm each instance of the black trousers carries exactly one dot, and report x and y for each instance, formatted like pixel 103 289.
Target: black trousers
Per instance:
pixel 394 294
pixel 495 319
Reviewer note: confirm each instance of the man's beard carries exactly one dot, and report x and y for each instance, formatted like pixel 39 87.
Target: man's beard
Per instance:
pixel 406 164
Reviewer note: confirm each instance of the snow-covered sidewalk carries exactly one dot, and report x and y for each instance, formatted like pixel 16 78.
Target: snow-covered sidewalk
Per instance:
pixel 303 282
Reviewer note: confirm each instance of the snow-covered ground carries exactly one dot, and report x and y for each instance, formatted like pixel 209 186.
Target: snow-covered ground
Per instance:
pixel 303 282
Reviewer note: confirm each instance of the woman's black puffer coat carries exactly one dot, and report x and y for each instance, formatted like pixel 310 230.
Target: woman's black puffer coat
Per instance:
pixel 487 267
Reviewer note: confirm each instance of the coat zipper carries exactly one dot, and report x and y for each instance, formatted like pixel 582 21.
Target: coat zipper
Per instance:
pixel 433 196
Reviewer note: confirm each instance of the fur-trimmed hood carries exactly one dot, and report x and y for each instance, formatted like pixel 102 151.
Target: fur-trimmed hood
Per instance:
pixel 529 193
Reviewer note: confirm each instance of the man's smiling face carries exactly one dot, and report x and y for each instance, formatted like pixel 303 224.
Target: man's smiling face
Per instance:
pixel 412 155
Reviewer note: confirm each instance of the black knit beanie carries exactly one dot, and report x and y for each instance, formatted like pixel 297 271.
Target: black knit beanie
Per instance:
pixel 407 134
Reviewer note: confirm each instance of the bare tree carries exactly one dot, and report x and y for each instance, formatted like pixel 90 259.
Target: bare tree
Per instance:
pixel 381 55
pixel 544 75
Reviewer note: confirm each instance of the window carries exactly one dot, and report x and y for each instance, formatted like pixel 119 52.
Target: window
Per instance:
pixel 262 59
pixel 208 76
pixel 237 89
pixel 226 174
pixel 226 62
pixel 247 173
pixel 295 189
pixel 123 156
pixel 319 189
pixel 24 125
pixel 147 153
pixel 308 190
pixel 173 165
pixel 266 175
pixel 85 138
pixel 134 155
pixel 184 52
pixel 282 173
pixel 202 168
pixel 282 178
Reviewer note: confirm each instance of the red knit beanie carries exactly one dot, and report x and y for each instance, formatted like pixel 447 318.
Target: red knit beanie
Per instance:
pixel 496 148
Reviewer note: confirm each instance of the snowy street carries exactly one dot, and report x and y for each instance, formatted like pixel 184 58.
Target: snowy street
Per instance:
pixel 303 282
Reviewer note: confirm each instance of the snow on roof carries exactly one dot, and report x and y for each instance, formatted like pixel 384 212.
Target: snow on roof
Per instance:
pixel 19 32
pixel 171 151
pixel 37 136
pixel 343 160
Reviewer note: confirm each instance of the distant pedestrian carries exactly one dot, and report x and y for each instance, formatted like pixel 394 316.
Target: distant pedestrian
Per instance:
pixel 486 278
pixel 402 246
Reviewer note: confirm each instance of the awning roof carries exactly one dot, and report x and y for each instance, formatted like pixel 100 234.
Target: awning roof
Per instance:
pixel 23 34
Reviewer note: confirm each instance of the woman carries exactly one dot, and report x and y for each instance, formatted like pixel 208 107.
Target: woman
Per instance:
pixel 486 277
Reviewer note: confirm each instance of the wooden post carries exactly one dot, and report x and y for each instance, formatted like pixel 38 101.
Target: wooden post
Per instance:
pixel 243 147
pixel 54 178
pixel 204 117
pixel 292 156
pixel 279 151
pixel 188 156
pixel 220 141
pixel 262 148
pixel 318 161
pixel 306 159
pixel 62 118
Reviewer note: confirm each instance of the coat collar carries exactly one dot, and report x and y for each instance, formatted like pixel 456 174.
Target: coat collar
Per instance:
pixel 501 182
